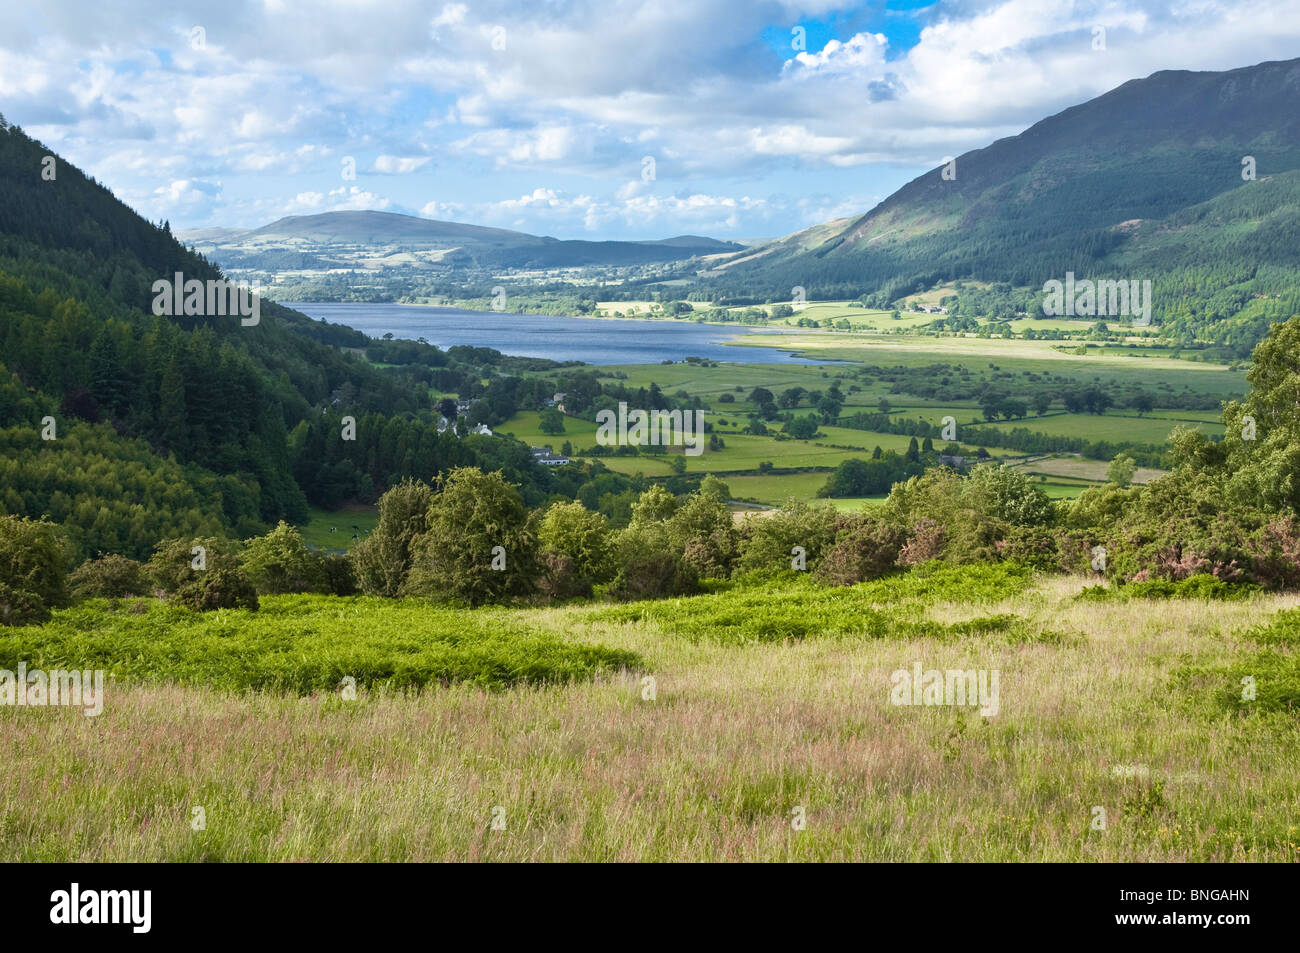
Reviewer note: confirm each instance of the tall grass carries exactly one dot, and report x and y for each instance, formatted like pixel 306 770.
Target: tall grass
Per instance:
pixel 708 762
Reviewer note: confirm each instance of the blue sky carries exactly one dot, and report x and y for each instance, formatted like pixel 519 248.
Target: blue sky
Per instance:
pixel 574 118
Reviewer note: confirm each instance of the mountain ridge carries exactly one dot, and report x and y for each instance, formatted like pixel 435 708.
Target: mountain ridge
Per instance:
pixel 1061 196
pixel 324 240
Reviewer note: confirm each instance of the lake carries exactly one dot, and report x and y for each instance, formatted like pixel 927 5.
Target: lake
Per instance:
pixel 593 340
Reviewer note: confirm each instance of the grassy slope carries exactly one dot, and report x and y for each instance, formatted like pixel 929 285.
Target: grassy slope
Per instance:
pixel 1093 713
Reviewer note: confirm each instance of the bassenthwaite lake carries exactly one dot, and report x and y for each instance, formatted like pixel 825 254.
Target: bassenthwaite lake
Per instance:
pixel 592 340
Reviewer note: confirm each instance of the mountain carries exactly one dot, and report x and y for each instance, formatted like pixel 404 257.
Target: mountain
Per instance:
pixel 127 426
pixel 1097 189
pixel 388 241
pixel 376 228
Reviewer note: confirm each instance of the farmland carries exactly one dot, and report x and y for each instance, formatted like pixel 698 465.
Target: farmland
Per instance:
pixel 868 373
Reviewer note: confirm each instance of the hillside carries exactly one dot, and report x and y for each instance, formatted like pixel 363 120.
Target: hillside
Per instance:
pixel 197 425
pixel 1096 189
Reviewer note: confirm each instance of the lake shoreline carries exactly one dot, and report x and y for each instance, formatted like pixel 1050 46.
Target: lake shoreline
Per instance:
pixel 597 341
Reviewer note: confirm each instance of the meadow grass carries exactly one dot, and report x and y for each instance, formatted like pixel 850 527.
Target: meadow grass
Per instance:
pixel 1123 712
pixel 333 529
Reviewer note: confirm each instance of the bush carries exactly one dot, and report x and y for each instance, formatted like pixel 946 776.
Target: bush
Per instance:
pixel 337 577
pixel 654 575
pixel 382 560
pixel 223 588
pixel 1031 546
pixel 1276 554
pixel 655 505
pixel 109 577
pixel 975 513
pixel 561 578
pixel 480 546
pixel 766 541
pixel 32 565
pixel 924 543
pixel 704 533
pixel 175 563
pixel 577 538
pixel 1006 494
pixel 304 644
pixel 865 548
pixel 280 562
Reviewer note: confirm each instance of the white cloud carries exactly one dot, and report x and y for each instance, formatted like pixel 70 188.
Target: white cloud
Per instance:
pixel 581 92
pixel 398 165
pixel 344 198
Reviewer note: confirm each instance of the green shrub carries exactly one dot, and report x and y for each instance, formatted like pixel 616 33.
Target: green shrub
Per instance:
pixel 580 538
pixel 865 548
pixel 179 561
pixel 943 498
pixel 310 643
pixel 480 545
pixel 1006 494
pixel 1281 631
pixel 561 578
pixel 224 588
pixel 382 560
pixel 704 533
pixel 33 561
pixel 649 567
pixel 797 607
pixel 1033 546
pixel 337 576
pixel 281 562
pixel 109 577
pixel 1202 586
pixel 767 540
pixel 655 505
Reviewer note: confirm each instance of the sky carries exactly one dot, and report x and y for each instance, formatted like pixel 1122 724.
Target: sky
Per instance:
pixel 595 119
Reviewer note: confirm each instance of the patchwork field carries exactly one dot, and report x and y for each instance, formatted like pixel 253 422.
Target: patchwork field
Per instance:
pixel 695 729
pixel 1019 367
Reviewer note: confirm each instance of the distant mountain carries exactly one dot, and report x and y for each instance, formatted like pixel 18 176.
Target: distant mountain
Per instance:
pixel 378 240
pixel 1096 189
pixel 693 241
pixel 376 228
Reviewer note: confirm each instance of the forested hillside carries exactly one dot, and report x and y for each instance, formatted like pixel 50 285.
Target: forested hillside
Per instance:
pixel 194 425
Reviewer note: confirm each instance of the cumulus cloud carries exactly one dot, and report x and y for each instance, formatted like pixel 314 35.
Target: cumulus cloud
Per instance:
pixel 541 114
pixel 344 198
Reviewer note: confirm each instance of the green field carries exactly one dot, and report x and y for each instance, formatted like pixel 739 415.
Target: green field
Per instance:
pixel 326 529
pixel 775 489
pixel 691 729
pixel 1110 426
pixel 526 426
pixel 1016 362
pixel 1160 374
